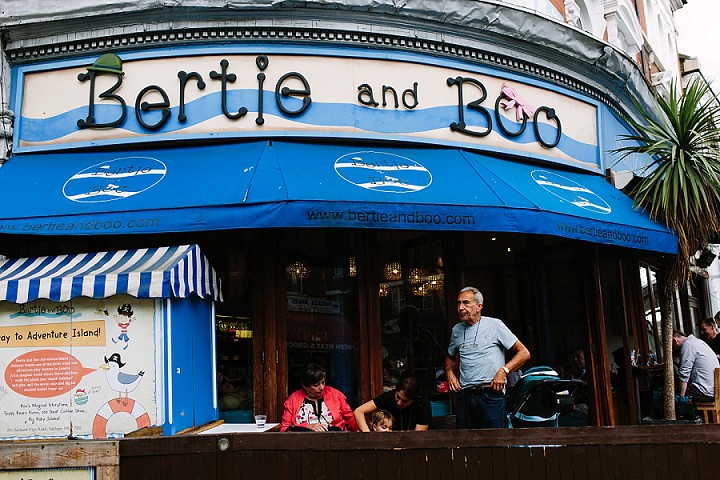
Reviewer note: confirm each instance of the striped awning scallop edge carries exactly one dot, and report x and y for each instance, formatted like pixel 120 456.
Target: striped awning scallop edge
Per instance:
pixel 143 273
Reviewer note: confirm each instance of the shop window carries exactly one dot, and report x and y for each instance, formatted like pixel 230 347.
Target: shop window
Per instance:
pixel 322 309
pixel 234 338
pixel 414 326
pixel 651 304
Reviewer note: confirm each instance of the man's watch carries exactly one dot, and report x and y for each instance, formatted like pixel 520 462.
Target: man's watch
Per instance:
pixel 507 370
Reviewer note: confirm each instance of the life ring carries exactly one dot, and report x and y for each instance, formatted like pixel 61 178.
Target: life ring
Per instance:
pixel 126 405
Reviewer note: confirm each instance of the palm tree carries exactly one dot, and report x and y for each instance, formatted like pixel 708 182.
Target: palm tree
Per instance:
pixel 680 187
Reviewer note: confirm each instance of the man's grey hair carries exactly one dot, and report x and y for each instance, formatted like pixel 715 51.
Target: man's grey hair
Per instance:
pixel 476 293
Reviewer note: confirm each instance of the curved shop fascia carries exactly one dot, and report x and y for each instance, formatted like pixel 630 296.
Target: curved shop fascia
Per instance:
pixel 297 136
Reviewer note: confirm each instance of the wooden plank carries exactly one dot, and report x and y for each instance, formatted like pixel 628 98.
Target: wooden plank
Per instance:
pixel 58 454
pixel 566 462
pixel 288 462
pixel 607 462
pixel 407 465
pixel 663 469
pixel 346 461
pixel 620 460
pixel 553 464
pixel 511 461
pixel 634 462
pixel 458 469
pixel 313 464
pixel 579 461
pixel 524 463
pixel 439 463
pixel 498 461
pixel 188 466
pixel 333 468
pixel 647 454
pixel 592 462
pixel 690 462
pixel 388 464
pixel 486 465
pixel 474 468
pixel 539 463
pixel 707 456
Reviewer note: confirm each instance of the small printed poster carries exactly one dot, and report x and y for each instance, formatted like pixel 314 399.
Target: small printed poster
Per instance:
pixel 84 367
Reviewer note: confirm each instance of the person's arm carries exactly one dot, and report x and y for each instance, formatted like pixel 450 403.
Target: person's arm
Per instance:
pixel 424 414
pixel 348 415
pixel 287 416
pixel 682 388
pixel 361 411
pixel 521 355
pixel 452 379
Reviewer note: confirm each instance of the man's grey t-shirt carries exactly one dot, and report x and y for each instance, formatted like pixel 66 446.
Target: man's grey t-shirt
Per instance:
pixel 481 348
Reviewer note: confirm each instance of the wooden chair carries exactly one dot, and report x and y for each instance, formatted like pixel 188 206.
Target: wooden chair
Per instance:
pixel 711 410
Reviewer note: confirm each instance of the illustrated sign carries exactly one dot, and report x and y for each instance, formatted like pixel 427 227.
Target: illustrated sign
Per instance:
pixel 83 367
pixel 110 100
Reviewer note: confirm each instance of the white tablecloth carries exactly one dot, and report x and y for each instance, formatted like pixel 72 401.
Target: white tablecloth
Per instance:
pixel 237 428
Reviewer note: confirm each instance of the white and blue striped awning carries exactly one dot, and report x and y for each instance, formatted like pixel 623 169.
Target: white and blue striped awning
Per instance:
pixel 144 273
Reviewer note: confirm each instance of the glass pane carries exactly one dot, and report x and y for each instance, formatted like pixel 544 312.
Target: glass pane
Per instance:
pixel 234 331
pixel 412 313
pixel 322 310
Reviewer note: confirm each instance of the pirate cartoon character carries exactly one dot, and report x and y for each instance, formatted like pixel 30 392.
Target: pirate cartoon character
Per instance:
pixel 124 318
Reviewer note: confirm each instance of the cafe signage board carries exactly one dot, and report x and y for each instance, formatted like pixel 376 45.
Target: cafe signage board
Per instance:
pixel 119 98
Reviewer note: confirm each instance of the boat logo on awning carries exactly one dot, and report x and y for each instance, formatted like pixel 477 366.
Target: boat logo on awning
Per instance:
pixel 383 172
pixel 570 191
pixel 114 180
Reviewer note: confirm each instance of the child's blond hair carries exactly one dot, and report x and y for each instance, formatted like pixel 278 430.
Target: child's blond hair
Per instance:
pixel 382 417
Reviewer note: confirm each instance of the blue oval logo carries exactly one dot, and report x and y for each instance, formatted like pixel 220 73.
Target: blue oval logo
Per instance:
pixel 114 180
pixel 571 191
pixel 383 172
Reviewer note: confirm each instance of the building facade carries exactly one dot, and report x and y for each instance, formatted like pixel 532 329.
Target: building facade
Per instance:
pixel 347 168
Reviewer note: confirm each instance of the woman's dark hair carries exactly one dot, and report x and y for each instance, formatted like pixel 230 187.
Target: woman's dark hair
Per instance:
pixel 313 374
pixel 410 386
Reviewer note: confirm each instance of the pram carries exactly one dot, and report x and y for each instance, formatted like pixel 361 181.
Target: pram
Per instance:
pixel 539 397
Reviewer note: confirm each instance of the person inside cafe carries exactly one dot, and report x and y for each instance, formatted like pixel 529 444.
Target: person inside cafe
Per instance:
pixel 233 390
pixel 709 333
pixel 317 407
pixel 410 410
pixel 477 346
pixel 382 421
pixel 696 373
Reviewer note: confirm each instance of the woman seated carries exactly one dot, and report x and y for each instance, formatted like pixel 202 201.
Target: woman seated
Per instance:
pixel 317 407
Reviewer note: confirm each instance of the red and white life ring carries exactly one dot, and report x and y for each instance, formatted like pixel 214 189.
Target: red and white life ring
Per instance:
pixel 126 405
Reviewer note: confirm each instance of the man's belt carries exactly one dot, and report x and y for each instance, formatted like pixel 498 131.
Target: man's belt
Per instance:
pixel 483 386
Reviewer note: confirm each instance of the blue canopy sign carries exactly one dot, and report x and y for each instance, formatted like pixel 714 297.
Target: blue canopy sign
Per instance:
pixel 284 184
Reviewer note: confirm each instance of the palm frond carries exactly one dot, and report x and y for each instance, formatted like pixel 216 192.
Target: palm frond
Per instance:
pixel 681 175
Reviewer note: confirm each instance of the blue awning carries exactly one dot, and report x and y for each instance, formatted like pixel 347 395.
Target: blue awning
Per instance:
pixel 284 184
pixel 144 273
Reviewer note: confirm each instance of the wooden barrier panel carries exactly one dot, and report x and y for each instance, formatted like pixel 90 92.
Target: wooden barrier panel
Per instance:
pixel 35 455
pixel 628 452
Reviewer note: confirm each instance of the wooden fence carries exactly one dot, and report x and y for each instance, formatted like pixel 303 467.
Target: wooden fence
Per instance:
pixel 688 452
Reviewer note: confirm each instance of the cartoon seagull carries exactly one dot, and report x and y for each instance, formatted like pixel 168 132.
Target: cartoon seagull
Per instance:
pixel 121 382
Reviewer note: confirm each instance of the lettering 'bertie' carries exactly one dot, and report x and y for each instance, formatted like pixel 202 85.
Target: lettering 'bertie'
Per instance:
pixel 111 64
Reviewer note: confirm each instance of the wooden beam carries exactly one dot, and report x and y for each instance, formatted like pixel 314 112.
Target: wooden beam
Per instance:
pixel 103 455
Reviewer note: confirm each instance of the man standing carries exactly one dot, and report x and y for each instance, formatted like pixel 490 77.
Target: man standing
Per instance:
pixel 478 346
pixel 697 367
pixel 709 333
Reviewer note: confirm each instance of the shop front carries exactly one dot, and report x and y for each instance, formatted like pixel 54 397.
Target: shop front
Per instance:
pixel 344 196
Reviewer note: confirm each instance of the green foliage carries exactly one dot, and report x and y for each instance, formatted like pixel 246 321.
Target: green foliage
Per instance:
pixel 681 178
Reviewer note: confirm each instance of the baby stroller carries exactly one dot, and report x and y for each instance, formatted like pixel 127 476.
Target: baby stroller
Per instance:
pixel 539 397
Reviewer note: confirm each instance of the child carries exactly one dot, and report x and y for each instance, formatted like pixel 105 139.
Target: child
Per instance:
pixel 382 421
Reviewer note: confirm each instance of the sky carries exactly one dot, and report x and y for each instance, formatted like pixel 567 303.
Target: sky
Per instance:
pixel 699 36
